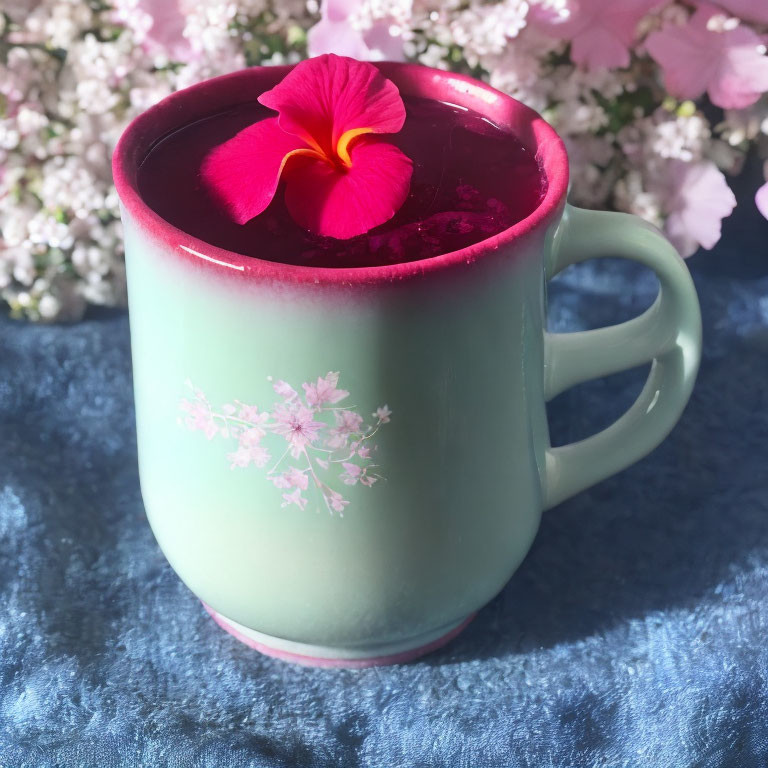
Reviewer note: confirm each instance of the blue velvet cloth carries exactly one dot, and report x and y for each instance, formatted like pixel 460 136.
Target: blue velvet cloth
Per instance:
pixel 634 634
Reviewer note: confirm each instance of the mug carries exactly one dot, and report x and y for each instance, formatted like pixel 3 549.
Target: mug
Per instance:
pixel 345 465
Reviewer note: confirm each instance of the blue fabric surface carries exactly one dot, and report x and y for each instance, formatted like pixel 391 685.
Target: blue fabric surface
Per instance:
pixel 634 634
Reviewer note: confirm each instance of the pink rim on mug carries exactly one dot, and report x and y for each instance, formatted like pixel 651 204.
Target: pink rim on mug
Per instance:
pixel 220 93
pixel 402 657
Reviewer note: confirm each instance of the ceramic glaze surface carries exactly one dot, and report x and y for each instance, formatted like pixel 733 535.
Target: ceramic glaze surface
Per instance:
pixel 457 467
pixel 460 493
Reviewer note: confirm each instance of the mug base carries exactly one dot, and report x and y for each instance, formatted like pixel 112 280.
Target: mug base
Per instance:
pixel 323 656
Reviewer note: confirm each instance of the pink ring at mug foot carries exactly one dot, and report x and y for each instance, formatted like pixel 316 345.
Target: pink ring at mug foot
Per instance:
pixel 275 647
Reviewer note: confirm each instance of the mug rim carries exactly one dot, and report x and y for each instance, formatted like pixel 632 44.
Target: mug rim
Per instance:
pixel 142 132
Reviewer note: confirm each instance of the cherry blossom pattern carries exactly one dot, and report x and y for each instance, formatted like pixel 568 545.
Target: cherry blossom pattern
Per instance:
pixel 306 443
pixel 158 26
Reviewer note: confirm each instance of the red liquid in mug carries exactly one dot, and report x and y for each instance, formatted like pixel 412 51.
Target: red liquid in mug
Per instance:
pixel 471 180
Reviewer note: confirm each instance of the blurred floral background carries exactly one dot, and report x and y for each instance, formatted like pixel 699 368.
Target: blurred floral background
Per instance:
pixel 659 103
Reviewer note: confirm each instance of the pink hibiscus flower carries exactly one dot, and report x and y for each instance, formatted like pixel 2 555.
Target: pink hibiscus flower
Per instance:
pixel 601 32
pixel 341 179
pixel 729 63
pixel 335 33
pixel 297 425
pixel 325 391
pixel 699 199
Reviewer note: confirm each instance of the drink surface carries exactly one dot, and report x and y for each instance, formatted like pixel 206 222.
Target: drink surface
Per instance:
pixel 471 180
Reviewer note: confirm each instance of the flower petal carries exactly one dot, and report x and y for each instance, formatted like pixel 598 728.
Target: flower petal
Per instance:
pixel 382 44
pixel 598 48
pixel 687 64
pixel 729 65
pixel 243 173
pixel 750 10
pixel 761 200
pixel 700 200
pixel 344 203
pixel 336 36
pixel 743 72
pixel 323 98
pixel 601 31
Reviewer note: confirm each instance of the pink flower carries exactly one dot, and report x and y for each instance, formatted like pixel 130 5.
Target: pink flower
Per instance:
pixel 294 497
pixel 245 454
pixel 158 25
pixel 251 436
pixel 699 199
pixel 252 414
pixel 297 478
pixel 293 478
pixel 335 33
pixel 324 392
pixel 351 473
pixel 310 441
pixel 297 425
pixel 761 200
pixel 347 423
pixel 728 63
pixel 749 10
pixel 382 414
pixel 285 390
pixel 601 31
pixel 199 417
pixel 336 501
pixel 340 178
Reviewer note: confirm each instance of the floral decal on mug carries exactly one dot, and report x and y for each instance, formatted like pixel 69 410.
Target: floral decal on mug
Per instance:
pixel 306 444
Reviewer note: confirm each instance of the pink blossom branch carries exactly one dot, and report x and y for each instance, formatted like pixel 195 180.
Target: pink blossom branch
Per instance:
pixel 318 482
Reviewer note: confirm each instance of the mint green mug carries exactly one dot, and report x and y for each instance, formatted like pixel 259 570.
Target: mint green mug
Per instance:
pixel 345 465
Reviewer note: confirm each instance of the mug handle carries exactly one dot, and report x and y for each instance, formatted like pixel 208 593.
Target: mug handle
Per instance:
pixel 668 335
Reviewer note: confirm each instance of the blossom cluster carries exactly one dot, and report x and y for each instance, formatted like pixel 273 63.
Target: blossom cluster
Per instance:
pixel 306 443
pixel 657 100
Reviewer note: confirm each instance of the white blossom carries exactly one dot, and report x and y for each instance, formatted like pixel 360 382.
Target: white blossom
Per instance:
pixel 75 73
pixel 484 30
pixel 681 137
